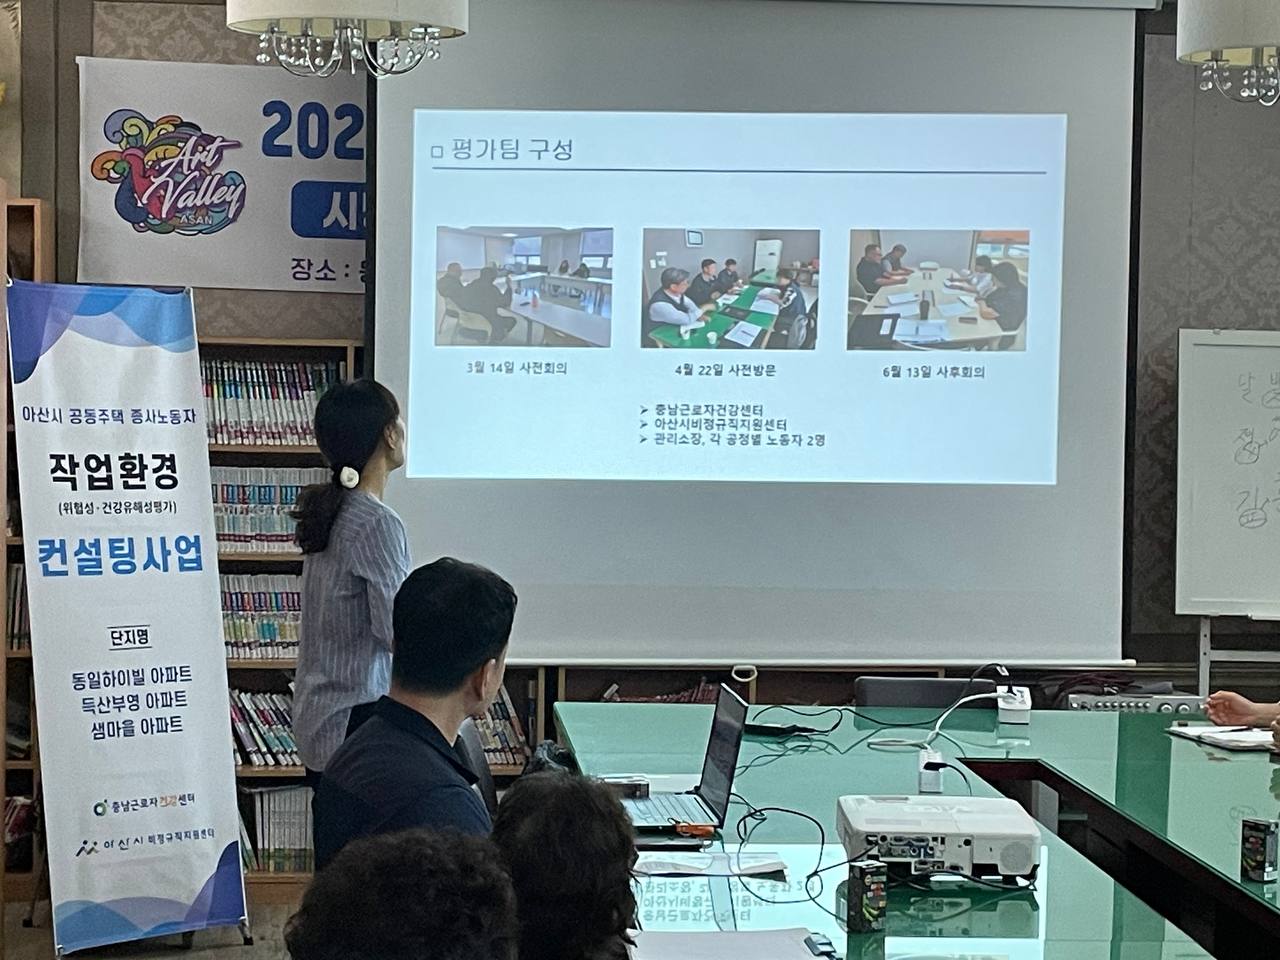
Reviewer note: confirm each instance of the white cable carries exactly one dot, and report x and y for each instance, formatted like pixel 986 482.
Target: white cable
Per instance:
pixel 937 727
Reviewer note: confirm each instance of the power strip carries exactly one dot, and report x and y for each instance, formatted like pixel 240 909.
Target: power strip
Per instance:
pixel 1182 703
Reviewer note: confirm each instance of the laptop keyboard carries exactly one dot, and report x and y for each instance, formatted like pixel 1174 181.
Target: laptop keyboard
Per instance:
pixel 663 808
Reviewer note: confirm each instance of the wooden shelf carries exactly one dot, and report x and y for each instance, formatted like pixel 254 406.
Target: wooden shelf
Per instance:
pixel 276 773
pixel 293 556
pixel 264 877
pixel 284 663
pixel 13 541
pixel 295 450
pixel 19 764
pixel 335 344
pixel 506 769
pixel 19 654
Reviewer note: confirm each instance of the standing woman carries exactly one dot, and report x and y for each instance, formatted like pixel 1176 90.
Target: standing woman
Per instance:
pixel 355 556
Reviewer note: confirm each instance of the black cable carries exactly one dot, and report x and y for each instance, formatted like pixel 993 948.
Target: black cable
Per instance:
pixel 929 875
pixel 963 776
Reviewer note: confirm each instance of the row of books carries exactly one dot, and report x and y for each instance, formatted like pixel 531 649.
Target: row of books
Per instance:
pixel 502 733
pixel 281 839
pixel 19 832
pixel 263 728
pixel 18 628
pixel 704 691
pixel 261 616
pixel 272 403
pixel 251 506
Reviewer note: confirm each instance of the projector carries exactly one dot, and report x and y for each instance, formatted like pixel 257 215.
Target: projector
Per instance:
pixel 985 837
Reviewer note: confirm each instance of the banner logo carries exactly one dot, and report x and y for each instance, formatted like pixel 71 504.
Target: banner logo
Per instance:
pixel 169 175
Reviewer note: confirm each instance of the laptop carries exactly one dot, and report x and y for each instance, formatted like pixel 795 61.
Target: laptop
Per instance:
pixel 873 331
pixel 738 313
pixel 707 805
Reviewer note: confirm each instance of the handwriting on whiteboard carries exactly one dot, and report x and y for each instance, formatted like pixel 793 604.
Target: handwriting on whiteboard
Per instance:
pixel 1257 443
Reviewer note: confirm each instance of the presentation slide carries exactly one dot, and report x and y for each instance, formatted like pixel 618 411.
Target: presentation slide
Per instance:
pixel 857 298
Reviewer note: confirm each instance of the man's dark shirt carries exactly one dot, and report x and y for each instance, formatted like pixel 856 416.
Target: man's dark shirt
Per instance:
pixel 395 773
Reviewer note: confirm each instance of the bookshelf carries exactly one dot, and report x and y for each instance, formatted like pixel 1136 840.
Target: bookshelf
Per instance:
pixel 26 233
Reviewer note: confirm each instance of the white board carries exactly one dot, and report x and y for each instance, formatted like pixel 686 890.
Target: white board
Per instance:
pixel 1228 555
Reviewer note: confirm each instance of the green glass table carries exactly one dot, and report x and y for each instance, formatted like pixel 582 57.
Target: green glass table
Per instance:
pixel 1160 813
pixel 720 323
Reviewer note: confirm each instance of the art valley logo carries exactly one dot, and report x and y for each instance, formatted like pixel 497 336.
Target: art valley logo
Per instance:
pixel 169 175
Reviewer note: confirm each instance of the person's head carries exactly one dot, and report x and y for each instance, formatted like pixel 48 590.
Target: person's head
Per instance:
pixel 359 430
pixel 451 623
pixel 488 274
pixel 416 895
pixel 898 251
pixel 1006 274
pixel 708 267
pixel 569 847
pixel 675 281
pixel 454 269
pixel 785 276
pixel 871 251
pixel 564 266
pixel 731 264
pixel 982 263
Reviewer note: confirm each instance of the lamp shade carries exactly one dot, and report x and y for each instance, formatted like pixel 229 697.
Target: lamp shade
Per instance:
pixel 1236 28
pixel 378 17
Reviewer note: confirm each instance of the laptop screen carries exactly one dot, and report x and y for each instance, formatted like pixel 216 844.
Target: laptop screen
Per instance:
pixel 722 752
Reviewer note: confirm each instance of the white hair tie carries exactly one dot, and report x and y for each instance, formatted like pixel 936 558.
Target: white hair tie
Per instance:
pixel 348 478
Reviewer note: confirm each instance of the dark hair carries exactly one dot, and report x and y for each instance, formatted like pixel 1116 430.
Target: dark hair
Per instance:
pixel 564 265
pixel 450 618
pixel 982 260
pixel 1006 273
pixel 415 895
pixel 708 263
pixel 731 262
pixel 351 419
pixel 898 248
pixel 673 275
pixel 866 251
pixel 488 274
pixel 786 273
pixel 570 848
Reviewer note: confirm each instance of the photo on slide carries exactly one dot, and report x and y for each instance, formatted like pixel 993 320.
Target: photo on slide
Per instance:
pixel 710 289
pixel 938 289
pixel 524 286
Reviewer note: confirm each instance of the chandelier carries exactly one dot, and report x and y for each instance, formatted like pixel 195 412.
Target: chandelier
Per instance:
pixel 1236 44
pixel 315 38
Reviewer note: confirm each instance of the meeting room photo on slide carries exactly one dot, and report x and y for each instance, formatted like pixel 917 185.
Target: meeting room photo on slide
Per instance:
pixel 524 286
pixel 708 288
pixel 938 289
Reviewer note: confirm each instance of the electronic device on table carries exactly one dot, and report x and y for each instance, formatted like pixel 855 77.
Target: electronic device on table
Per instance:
pixel 708 804
pixel 984 837
pixel 1136 702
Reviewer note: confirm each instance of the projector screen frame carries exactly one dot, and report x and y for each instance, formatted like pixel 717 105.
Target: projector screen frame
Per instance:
pixel 1144 11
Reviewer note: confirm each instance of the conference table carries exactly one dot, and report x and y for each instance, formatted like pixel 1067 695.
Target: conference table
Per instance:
pixel 957 334
pixel 598 286
pixel 591 328
pixel 1152 870
pixel 720 323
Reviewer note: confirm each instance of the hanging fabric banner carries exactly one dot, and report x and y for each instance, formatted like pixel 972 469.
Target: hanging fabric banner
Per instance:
pixel 126 631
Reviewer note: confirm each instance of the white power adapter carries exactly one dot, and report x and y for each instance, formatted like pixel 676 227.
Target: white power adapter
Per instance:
pixel 930 766
pixel 1014 704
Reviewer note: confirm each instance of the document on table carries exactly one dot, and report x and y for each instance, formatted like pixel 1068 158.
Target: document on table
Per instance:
pixel 1229 738
pixel 765 305
pixel 723 945
pixel 665 864
pixel 743 333
pixel 954 309
pixel 921 331
pixel 896 298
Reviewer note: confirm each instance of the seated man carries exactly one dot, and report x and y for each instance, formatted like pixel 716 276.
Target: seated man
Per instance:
pixel 482 296
pixel 570 847
pixel 870 272
pixel 705 287
pixel 449 286
pixel 415 895
pixel 892 263
pixel 980 281
pixel 791 329
pixel 669 305
pixel 399 770
pixel 728 280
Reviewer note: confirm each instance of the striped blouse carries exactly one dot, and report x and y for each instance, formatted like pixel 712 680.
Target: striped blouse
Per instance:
pixel 348 591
